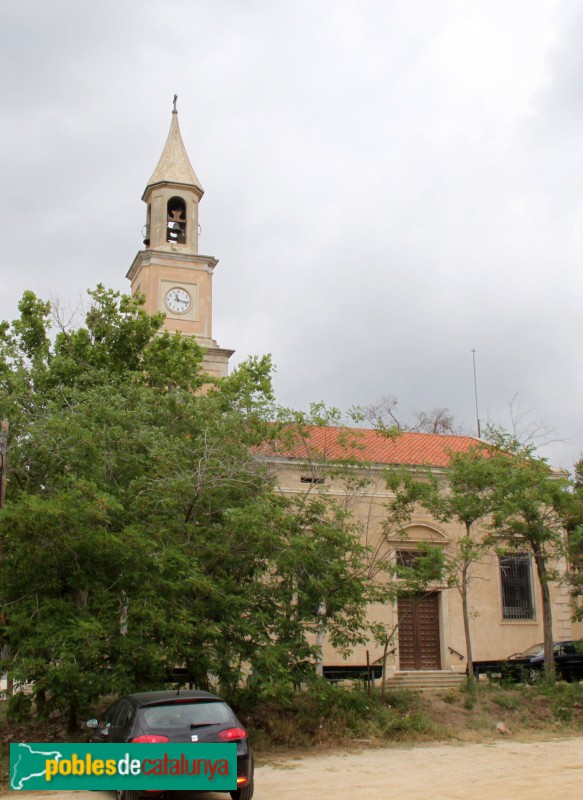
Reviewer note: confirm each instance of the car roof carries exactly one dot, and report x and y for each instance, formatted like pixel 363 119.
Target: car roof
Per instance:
pixel 153 698
pixel 560 642
pixel 564 641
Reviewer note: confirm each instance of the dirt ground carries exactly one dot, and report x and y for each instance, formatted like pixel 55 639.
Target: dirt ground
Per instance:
pixel 499 771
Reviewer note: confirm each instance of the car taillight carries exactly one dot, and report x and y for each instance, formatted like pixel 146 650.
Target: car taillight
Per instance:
pixel 231 734
pixel 151 737
pixel 241 780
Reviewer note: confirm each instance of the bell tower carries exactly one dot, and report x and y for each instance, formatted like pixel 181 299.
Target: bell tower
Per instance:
pixel 170 272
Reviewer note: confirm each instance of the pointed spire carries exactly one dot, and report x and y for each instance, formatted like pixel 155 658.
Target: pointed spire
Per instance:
pixel 174 165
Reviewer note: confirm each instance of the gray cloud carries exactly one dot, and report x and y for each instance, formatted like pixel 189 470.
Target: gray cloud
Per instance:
pixel 387 185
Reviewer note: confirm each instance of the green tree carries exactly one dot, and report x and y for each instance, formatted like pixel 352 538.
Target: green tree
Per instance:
pixel 463 497
pixel 574 527
pixel 336 493
pixel 531 504
pixel 142 531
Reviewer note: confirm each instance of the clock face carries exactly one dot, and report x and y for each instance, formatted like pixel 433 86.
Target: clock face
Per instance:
pixel 178 300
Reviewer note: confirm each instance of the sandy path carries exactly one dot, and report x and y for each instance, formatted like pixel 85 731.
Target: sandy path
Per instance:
pixel 503 770
pixel 500 771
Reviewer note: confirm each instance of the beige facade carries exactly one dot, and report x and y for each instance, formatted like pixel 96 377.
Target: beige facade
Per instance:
pixel 493 635
pixel 170 272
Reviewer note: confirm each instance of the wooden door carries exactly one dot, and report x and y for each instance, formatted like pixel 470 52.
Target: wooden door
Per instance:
pixel 419 632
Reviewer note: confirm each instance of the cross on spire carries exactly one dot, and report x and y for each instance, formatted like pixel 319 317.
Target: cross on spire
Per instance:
pixel 175 110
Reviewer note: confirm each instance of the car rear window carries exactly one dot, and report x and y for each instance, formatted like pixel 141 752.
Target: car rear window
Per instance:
pixel 534 650
pixel 183 715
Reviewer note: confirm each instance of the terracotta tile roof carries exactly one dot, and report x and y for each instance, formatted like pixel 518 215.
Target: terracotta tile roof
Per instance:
pixel 412 449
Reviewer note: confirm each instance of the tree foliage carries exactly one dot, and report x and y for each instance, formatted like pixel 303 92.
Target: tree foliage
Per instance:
pixel 518 502
pixel 531 504
pixel 142 532
pixel 575 540
pixel 466 501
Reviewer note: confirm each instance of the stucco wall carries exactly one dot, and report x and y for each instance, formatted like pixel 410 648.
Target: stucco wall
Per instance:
pixel 492 637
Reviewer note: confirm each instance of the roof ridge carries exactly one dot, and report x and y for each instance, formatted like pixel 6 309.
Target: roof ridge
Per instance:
pixel 399 432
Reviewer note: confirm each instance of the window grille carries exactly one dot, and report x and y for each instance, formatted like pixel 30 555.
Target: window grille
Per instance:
pixel 516 582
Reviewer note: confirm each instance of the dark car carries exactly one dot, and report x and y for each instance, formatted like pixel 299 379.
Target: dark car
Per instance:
pixel 529 665
pixel 175 717
pixel 568 656
pixel 517 666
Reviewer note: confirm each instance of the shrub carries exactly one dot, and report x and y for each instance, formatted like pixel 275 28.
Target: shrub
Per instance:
pixel 508 701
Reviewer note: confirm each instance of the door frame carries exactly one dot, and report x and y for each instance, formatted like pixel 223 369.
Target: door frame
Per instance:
pixel 416 632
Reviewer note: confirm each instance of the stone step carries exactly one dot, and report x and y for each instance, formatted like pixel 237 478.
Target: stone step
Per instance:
pixel 433 680
pixel 421 678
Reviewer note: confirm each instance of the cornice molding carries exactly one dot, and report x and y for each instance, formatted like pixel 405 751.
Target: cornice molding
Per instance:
pixel 366 468
pixel 150 257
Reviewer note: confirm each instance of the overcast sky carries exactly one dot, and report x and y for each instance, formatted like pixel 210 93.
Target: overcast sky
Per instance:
pixel 388 184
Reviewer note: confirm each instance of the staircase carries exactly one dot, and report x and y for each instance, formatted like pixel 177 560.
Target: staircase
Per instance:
pixel 426 680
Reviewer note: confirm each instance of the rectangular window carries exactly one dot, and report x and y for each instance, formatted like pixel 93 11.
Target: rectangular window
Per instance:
pixel 515 577
pixel 407 558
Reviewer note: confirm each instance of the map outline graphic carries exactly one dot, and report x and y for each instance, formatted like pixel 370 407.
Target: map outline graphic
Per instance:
pixel 56 754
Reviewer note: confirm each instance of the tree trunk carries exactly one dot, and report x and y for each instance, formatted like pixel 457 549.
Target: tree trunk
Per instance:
pixel 123 614
pixel 541 569
pixel 320 634
pixel 41 703
pixel 466 612
pixel 72 725
pixel 388 640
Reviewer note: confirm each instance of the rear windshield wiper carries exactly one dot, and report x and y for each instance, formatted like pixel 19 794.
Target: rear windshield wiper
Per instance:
pixel 201 724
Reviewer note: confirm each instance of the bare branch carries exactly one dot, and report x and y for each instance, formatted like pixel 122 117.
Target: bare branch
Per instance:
pixel 438 420
pixel 382 413
pixel 64 316
pixel 525 427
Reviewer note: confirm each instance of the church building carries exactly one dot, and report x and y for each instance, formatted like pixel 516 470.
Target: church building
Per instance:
pixel 506 607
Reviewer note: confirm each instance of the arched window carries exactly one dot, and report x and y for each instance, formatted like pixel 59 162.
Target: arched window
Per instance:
pixel 176 221
pixel 146 230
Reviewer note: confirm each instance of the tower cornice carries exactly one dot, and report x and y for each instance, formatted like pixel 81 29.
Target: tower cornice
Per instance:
pixel 172 185
pixel 185 261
